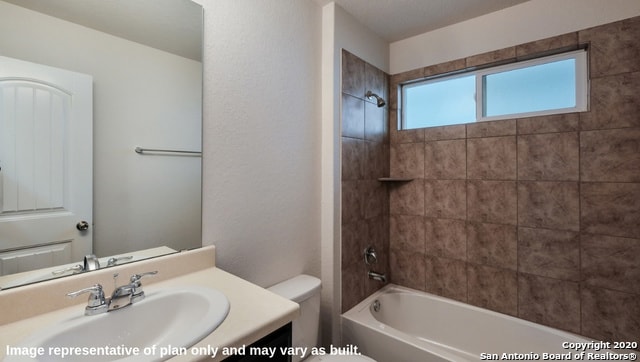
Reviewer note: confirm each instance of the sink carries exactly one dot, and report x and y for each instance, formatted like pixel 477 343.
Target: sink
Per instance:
pixel 172 320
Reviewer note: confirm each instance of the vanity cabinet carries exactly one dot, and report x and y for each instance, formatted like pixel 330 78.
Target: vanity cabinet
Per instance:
pixel 280 338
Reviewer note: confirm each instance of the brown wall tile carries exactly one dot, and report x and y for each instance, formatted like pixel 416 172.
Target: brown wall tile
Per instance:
pixel 404 136
pixel 610 209
pixel 365 203
pixel 353 239
pixel 375 123
pixel 490 129
pixel 446 238
pixel 608 315
pixel 446 277
pixel 492 158
pixel 352 201
pixel 407 198
pixel 613 47
pixel 407 160
pixel 352 75
pixel 353 157
pixel 493 288
pixel 375 81
pixel 408 269
pixel 352 117
pixel 554 205
pixel 445 133
pixel 407 233
pixel 445 199
pixel 376 161
pixel 352 286
pixel 492 201
pixel 552 156
pixel 610 155
pixel 374 198
pixel 611 262
pixel 551 302
pixel 549 253
pixel 445 159
pixel 547 124
pixel 492 245
pixel 614 102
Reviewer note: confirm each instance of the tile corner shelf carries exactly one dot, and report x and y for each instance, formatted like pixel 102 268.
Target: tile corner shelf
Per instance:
pixel 395 179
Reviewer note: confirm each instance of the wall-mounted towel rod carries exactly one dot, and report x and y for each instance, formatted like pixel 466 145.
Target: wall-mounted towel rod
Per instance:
pixel 143 150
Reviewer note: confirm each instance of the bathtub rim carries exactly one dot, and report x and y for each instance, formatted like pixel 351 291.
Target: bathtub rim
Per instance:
pixel 354 313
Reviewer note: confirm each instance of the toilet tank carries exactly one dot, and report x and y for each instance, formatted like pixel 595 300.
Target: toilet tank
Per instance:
pixel 304 290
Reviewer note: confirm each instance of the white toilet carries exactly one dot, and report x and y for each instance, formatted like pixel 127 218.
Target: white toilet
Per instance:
pixel 305 290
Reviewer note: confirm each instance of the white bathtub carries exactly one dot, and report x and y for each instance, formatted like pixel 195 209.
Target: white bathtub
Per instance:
pixel 414 326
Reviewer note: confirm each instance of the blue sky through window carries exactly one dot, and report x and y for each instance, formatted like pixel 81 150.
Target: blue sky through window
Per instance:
pixel 531 89
pixel 450 101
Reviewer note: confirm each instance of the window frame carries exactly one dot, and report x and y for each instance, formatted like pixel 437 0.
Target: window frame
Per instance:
pixel 581 78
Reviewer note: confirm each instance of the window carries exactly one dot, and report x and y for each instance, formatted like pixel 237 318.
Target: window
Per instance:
pixel 549 85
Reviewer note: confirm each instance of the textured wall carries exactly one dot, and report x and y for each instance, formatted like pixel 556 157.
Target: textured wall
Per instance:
pixel 537 218
pixel 261 137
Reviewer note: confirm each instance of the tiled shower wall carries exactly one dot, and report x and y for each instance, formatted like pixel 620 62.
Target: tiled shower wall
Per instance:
pixel 537 218
pixel 365 158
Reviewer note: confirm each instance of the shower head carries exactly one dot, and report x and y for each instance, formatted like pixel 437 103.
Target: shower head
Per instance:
pixel 379 99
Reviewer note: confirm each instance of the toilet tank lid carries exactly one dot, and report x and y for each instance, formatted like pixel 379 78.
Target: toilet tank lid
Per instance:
pixel 297 289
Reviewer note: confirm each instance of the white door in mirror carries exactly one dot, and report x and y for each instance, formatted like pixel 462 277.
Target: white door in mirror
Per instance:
pixel 46 137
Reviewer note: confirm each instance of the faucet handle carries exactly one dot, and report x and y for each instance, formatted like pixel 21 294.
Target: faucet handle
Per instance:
pixel 96 302
pixel 113 260
pixel 370 256
pixel 137 294
pixel 135 278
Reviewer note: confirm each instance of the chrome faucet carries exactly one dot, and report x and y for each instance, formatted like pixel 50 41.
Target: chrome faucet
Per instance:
pixel 128 293
pixel 377 276
pixel 121 296
pixel 370 258
pixel 113 260
pixel 91 263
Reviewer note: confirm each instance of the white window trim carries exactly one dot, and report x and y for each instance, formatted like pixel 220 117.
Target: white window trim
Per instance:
pixel 582 86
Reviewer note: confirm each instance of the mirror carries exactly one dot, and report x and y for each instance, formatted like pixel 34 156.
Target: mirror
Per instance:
pixel 144 58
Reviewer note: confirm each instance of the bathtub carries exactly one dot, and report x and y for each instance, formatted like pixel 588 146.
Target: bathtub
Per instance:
pixel 414 326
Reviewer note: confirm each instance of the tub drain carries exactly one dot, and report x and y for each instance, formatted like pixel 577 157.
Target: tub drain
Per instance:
pixel 376 306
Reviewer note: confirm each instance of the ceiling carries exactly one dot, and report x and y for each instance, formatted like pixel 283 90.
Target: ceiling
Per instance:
pixel 174 26
pixel 394 20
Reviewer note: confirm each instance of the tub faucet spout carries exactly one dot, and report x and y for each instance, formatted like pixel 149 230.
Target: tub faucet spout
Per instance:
pixel 377 276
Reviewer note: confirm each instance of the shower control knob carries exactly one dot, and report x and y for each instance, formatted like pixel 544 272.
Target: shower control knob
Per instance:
pixel 370 256
pixel 82 226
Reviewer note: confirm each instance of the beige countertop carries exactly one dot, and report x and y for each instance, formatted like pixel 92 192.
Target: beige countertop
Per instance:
pixel 254 312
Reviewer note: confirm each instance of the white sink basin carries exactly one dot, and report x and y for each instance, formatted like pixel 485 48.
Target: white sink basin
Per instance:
pixel 167 319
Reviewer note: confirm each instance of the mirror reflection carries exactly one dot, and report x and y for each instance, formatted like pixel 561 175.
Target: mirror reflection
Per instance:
pixel 83 83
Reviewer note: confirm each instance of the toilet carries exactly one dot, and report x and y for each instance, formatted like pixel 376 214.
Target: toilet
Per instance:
pixel 305 290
